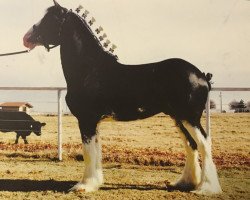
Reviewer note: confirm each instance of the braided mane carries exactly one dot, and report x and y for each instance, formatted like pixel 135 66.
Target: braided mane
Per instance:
pixel 85 23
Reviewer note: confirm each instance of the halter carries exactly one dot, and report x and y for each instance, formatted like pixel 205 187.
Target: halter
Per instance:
pixel 41 39
pixel 99 39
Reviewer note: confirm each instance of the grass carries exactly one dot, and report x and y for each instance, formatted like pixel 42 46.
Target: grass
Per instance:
pixel 139 158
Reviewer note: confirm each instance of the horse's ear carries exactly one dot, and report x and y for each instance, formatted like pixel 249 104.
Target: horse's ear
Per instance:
pixel 56 4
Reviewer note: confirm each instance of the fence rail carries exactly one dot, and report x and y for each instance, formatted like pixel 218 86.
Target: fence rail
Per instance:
pixel 219 89
pixel 59 103
pixel 231 89
pixel 59 108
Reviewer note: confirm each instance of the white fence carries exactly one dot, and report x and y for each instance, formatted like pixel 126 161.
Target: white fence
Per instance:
pixel 59 108
pixel 219 89
pixel 59 103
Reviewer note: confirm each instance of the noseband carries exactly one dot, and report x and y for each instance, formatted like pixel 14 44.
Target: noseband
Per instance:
pixel 40 39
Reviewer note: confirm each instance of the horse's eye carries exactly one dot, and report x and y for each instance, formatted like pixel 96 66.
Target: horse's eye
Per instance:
pixel 34 27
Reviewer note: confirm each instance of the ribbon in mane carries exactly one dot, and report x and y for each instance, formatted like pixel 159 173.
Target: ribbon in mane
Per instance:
pixel 100 38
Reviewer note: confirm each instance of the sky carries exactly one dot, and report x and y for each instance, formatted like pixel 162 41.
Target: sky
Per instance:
pixel 213 35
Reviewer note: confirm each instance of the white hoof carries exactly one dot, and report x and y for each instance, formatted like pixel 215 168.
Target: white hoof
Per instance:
pixel 85 187
pixel 208 189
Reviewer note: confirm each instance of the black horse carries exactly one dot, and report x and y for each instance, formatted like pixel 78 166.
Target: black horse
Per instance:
pixel 98 86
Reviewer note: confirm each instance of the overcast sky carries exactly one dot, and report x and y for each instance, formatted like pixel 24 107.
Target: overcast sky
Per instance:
pixel 214 35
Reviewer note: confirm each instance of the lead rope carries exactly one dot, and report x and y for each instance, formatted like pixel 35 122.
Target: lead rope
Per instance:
pixel 26 51
pixel 14 53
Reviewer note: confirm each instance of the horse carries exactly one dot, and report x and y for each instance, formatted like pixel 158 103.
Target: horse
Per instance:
pixel 98 85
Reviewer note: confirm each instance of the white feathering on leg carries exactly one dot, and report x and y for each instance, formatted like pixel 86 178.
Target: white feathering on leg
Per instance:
pixel 90 181
pixel 99 169
pixel 209 179
pixel 191 175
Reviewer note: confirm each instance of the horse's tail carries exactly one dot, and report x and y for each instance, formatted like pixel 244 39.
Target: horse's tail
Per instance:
pixel 208 79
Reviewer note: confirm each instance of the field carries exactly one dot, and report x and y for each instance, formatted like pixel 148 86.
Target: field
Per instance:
pixel 139 158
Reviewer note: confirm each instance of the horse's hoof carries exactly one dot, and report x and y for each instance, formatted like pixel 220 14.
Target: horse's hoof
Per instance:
pixel 83 187
pixel 208 189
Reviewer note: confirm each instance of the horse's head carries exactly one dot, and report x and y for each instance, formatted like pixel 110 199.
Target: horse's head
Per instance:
pixel 47 31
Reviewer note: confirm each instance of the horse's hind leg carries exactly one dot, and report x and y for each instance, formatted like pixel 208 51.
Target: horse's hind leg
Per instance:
pixel 192 172
pixel 209 179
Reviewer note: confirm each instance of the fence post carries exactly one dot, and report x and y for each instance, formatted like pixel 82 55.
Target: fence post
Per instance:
pixel 59 124
pixel 220 102
pixel 208 114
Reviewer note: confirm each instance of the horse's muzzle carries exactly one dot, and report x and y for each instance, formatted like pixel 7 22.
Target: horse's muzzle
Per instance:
pixel 28 44
pixel 27 40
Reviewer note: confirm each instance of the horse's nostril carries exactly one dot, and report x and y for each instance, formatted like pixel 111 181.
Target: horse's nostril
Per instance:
pixel 29 39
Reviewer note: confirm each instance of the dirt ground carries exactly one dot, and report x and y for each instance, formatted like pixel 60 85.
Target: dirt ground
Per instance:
pixel 139 158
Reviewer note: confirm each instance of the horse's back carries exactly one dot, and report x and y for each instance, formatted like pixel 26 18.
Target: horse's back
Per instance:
pixel 139 91
pixel 164 77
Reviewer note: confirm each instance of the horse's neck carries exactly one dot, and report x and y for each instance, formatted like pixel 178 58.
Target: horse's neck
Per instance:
pixel 80 52
pixel 78 41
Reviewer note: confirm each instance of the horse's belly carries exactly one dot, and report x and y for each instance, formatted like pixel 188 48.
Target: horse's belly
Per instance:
pixel 130 114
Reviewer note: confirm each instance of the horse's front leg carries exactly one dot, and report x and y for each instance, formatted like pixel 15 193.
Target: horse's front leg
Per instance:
pixel 98 147
pixel 92 177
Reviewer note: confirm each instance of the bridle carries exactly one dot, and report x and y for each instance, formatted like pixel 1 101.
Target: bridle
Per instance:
pixel 41 40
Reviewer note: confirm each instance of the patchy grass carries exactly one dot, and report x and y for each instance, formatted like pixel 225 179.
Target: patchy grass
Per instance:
pixel 140 158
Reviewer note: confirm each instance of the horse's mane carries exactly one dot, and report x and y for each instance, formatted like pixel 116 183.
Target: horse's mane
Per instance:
pixel 107 54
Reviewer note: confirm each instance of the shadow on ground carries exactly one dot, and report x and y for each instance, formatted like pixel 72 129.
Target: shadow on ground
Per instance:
pixel 25 185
